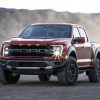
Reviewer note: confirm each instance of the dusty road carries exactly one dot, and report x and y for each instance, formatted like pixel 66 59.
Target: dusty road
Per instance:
pixel 30 88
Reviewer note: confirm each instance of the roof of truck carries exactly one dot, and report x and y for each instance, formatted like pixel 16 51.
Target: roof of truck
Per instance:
pixel 56 24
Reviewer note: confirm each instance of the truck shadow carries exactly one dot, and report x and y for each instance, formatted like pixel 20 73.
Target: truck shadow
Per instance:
pixel 79 83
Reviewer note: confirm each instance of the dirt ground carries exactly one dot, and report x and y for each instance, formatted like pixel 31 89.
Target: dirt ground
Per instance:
pixel 30 88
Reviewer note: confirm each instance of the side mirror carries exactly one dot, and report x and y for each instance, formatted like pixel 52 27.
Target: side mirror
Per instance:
pixel 79 40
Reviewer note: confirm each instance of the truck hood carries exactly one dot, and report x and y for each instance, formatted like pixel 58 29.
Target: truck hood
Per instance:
pixel 16 41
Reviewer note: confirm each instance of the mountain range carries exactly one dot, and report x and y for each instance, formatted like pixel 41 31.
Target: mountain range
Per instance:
pixel 13 21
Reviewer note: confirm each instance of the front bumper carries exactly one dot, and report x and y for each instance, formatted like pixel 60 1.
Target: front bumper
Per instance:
pixel 31 64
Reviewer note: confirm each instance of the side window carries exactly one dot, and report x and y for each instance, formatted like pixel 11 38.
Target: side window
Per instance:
pixel 76 33
pixel 83 33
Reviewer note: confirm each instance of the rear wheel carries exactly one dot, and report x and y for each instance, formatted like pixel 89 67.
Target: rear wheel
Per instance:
pixel 44 77
pixel 94 74
pixel 69 74
pixel 8 77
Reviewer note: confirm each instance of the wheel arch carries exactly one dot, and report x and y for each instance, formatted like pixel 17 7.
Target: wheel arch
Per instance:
pixel 97 53
pixel 72 52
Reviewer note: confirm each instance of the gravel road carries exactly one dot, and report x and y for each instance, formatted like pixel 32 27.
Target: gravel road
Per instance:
pixel 30 88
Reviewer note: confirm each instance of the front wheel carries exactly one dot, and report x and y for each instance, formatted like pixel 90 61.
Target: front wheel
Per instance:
pixel 69 74
pixel 8 77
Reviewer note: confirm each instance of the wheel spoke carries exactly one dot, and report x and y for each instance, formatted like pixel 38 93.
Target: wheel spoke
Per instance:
pixel 71 72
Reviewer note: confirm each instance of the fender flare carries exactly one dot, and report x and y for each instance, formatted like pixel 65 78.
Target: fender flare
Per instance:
pixel 96 52
pixel 71 49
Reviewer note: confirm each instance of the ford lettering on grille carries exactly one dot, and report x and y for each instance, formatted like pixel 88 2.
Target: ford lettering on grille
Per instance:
pixel 31 51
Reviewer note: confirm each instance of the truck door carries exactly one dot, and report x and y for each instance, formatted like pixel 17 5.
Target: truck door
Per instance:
pixel 87 48
pixel 79 47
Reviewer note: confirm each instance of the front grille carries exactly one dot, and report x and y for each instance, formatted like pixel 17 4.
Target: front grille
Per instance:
pixel 31 51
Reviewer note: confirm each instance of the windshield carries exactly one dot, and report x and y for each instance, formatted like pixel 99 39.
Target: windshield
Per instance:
pixel 46 32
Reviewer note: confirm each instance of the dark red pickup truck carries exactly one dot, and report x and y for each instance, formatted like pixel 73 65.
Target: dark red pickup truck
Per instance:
pixel 63 50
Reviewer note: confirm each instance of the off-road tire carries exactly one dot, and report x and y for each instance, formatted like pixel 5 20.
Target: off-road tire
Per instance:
pixel 94 74
pixel 69 74
pixel 8 77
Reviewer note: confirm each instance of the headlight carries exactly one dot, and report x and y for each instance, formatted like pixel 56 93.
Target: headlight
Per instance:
pixel 56 53
pixel 5 50
pixel 57 50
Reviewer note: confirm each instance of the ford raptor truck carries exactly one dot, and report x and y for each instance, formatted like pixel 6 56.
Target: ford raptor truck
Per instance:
pixel 62 49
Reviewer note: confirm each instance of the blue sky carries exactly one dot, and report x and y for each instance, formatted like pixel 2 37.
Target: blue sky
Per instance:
pixel 85 6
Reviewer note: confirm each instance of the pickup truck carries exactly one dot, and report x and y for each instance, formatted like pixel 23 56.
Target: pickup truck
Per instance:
pixel 44 49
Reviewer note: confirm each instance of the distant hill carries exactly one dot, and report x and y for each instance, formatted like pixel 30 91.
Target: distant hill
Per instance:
pixel 5 9
pixel 13 21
